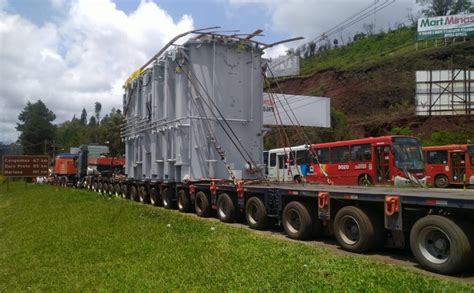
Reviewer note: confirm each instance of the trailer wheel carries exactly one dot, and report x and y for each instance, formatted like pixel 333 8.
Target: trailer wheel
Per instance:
pixel 106 188
pixel 125 191
pixel 202 205
pixel 117 189
pixel 441 181
pixel 111 189
pixel 184 204
pixel 256 214
pixel 154 196
pixel 298 221
pixel 133 193
pixel 226 210
pixel 358 230
pixel 140 194
pixel 143 194
pixel 442 245
pixel 166 199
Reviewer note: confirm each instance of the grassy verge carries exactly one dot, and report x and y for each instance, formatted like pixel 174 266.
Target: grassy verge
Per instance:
pixel 54 239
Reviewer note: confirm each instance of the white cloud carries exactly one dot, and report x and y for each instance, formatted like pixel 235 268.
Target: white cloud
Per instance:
pixel 276 51
pixel 80 60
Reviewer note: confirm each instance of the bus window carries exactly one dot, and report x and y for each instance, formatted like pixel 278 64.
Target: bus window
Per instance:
pixel 323 155
pixel 437 157
pixel 281 161
pixel 302 157
pixel 361 153
pixel 273 160
pixel 340 154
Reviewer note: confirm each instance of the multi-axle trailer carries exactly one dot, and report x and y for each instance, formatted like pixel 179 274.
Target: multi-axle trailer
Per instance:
pixel 437 224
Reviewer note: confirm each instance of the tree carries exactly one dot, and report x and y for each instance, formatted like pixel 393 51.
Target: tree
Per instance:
pixel 83 119
pixel 359 36
pixel 36 128
pixel 97 108
pixel 110 132
pixel 444 7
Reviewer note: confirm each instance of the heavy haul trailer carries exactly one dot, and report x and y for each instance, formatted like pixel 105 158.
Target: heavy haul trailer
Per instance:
pixel 96 171
pixel 193 137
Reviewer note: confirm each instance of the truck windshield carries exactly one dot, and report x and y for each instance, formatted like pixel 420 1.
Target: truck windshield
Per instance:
pixel 470 149
pixel 407 154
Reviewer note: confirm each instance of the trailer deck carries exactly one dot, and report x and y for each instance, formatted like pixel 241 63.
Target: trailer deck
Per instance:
pixel 313 189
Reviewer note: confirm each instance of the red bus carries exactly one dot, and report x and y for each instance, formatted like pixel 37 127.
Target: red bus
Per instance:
pixel 385 160
pixel 449 165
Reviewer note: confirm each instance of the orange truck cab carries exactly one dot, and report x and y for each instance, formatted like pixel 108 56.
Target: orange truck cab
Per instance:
pixel 64 170
pixel 64 165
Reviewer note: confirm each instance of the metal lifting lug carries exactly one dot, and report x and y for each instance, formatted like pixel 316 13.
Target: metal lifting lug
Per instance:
pixel 213 188
pixel 392 205
pixel 192 189
pixel 239 188
pixel 323 200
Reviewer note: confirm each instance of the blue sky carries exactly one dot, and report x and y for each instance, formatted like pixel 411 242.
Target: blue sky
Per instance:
pixel 245 17
pixel 72 53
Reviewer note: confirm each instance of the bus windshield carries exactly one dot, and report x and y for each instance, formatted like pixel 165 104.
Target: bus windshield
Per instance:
pixel 470 149
pixel 407 154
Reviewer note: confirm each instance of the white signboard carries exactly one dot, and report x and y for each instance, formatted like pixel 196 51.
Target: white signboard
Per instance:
pixel 445 92
pixel 447 26
pixel 283 66
pixel 308 110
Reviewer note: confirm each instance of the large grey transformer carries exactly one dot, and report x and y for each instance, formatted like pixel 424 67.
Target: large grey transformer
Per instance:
pixel 196 113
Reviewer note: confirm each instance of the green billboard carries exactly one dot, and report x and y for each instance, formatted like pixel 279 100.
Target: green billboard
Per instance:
pixel 449 26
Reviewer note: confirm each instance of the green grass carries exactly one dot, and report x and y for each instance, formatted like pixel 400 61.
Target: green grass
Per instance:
pixel 54 239
pixel 382 48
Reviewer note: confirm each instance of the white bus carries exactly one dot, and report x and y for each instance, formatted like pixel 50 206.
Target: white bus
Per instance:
pixel 289 164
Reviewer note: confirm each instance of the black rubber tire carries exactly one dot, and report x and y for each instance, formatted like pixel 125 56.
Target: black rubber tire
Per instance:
pixel 111 189
pixel 256 214
pixel 125 191
pixel 117 189
pixel 154 200
pixel 133 193
pixel 299 214
pixel 99 187
pixel 202 205
pixel 144 197
pixel 226 208
pixel 460 236
pixel 362 181
pixel 166 199
pixel 184 203
pixel 371 232
pixel 441 181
